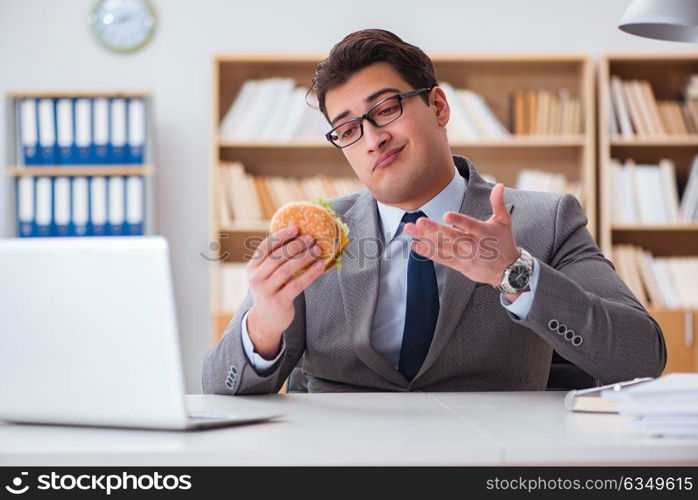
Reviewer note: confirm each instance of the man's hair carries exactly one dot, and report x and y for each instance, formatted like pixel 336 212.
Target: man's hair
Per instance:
pixel 363 48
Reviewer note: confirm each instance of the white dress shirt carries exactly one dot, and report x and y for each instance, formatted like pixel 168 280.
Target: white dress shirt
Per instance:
pixel 389 318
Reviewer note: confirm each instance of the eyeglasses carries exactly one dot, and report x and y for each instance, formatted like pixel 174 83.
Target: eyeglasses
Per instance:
pixel 379 115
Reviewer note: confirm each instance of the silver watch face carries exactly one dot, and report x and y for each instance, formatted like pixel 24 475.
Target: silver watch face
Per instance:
pixel 519 276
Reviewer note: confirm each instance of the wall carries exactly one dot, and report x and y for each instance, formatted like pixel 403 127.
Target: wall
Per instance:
pixel 46 44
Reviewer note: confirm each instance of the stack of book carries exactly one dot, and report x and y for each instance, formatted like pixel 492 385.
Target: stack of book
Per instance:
pixel 648 194
pixel 272 110
pixel 540 180
pixel 249 198
pixel 544 112
pixel 471 118
pixel 233 285
pixel 663 407
pixel 659 282
pixel 635 112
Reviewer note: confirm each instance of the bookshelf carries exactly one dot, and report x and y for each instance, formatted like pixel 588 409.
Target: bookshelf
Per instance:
pixel 496 77
pixel 667 75
pixel 140 166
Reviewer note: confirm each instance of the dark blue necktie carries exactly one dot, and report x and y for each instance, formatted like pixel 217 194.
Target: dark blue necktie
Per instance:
pixel 422 309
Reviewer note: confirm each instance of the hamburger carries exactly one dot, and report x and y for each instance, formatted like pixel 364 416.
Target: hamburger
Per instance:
pixel 318 219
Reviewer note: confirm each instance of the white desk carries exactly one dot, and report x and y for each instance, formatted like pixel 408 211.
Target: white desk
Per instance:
pixel 363 429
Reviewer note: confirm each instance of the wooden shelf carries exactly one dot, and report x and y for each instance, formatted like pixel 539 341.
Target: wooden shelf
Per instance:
pixel 655 227
pixel 246 227
pixel 674 141
pixel 494 76
pixel 514 141
pixel 79 170
pixel 79 94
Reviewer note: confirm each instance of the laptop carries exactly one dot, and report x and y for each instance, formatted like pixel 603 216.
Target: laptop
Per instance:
pixel 88 336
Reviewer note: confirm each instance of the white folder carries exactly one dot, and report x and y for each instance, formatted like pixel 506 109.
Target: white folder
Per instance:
pixel 98 204
pixel 47 130
pixel 29 137
pixel 25 205
pixel 116 204
pixel 64 123
pixel 61 205
pixel 44 204
pixel 80 207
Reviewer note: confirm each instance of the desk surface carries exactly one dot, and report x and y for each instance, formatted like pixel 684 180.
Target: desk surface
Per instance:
pixel 419 428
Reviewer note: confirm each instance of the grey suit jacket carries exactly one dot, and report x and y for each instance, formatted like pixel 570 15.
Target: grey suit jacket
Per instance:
pixel 581 309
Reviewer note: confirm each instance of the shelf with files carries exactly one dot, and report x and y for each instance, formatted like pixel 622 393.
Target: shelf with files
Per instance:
pixel 79 154
pixel 497 78
pixel 80 170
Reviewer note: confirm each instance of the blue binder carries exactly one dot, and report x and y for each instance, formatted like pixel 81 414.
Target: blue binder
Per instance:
pixel 100 131
pixel 98 206
pixel 83 131
pixel 65 131
pixel 28 117
pixel 47 131
pixel 117 207
pixel 80 206
pixel 117 130
pixel 61 206
pixel 25 207
pixel 135 205
pixel 44 206
pixel 137 130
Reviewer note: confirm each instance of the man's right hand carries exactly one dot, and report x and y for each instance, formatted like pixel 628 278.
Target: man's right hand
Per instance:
pixel 273 285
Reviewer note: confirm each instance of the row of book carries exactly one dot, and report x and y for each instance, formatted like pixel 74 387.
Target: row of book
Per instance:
pixel 80 206
pixel 546 113
pixel 648 194
pixel 246 197
pixel 233 285
pixel 81 130
pixel 471 118
pixel 660 282
pixel 550 182
pixel 634 111
pixel 272 110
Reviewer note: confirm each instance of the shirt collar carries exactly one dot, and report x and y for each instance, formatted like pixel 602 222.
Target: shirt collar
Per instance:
pixel 448 199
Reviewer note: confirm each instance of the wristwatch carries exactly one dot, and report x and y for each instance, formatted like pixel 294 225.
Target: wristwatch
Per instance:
pixel 518 275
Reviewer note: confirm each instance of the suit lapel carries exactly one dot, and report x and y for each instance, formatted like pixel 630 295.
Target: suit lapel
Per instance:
pixel 359 281
pixel 457 288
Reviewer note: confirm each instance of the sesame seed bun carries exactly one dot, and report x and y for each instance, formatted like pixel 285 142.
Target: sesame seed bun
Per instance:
pixel 321 223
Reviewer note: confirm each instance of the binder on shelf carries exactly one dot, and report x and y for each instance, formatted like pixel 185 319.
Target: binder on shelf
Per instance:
pixel 25 207
pixel 65 131
pixel 29 131
pixel 100 131
pixel 117 130
pixel 136 130
pixel 117 215
pixel 47 131
pixel 44 206
pixel 135 203
pixel 98 206
pixel 83 131
pixel 80 209
pixel 61 206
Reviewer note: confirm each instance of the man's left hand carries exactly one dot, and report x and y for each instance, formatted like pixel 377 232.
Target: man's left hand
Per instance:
pixel 480 250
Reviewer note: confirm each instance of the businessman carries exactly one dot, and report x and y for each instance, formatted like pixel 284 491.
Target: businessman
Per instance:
pixel 448 283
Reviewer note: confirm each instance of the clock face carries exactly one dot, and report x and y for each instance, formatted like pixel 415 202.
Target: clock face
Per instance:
pixel 123 25
pixel 519 276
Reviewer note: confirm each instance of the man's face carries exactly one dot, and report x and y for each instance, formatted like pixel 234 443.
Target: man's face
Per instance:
pixel 395 161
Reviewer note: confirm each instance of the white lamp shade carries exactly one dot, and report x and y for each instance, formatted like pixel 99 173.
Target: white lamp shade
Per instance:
pixel 675 20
